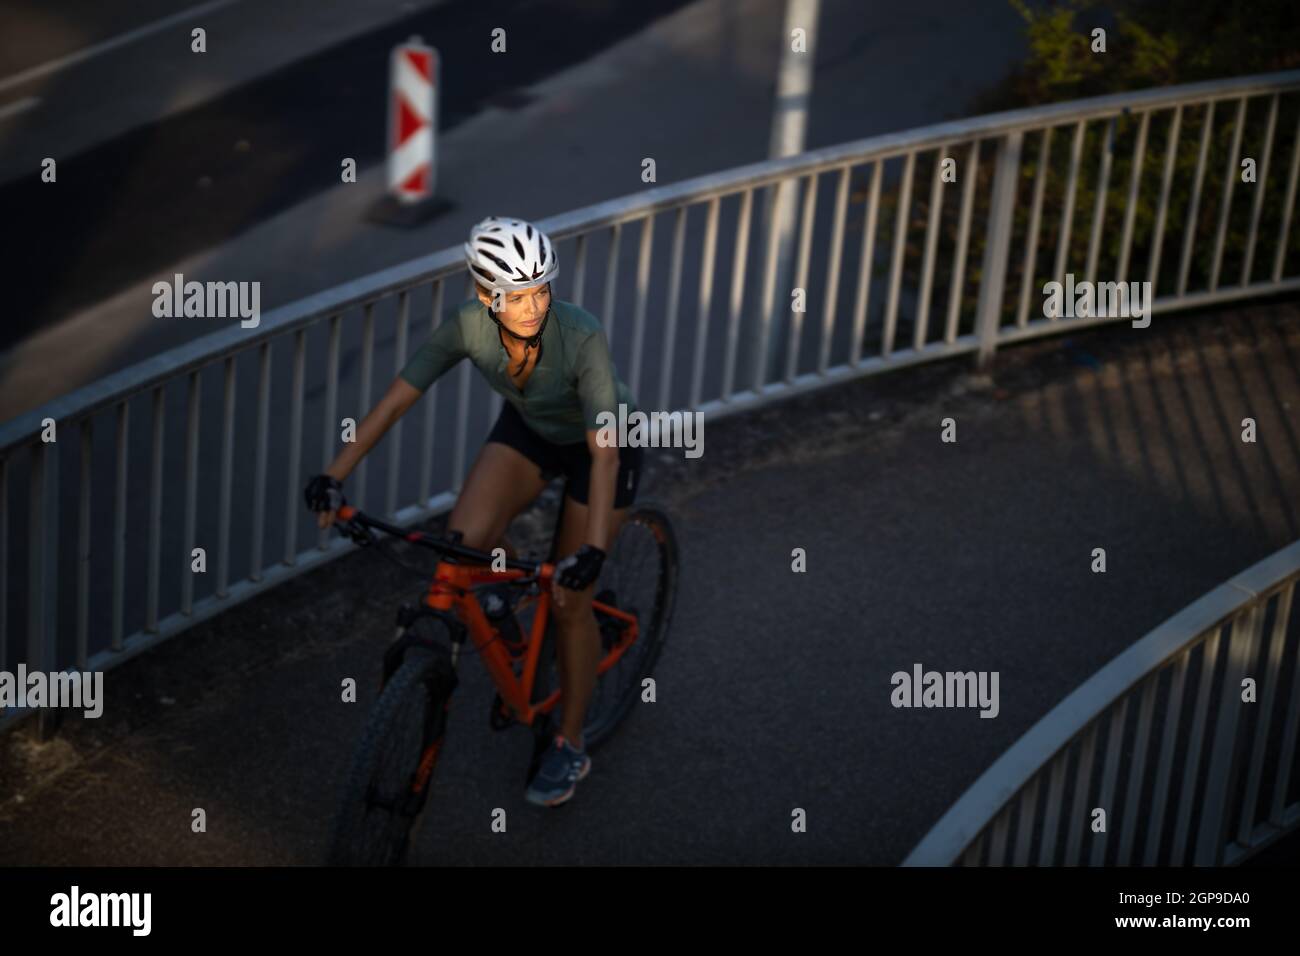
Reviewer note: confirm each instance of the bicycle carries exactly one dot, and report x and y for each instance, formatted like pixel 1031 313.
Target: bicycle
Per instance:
pixel 390 776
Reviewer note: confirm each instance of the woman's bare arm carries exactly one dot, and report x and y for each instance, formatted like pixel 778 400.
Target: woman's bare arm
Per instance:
pixel 401 395
pixel 600 491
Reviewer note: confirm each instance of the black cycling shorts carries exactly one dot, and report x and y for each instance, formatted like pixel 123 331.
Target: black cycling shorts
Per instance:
pixel 572 461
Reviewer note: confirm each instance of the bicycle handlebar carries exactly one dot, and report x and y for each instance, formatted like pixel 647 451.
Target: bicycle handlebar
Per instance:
pixel 350 516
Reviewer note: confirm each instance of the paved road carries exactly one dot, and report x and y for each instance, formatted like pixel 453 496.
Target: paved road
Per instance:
pixel 190 181
pixel 600 89
pixel 774 690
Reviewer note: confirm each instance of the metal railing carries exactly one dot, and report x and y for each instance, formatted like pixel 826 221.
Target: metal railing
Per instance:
pixel 100 516
pixel 1191 771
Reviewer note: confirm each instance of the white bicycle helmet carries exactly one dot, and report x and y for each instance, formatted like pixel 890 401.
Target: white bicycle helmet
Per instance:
pixel 510 254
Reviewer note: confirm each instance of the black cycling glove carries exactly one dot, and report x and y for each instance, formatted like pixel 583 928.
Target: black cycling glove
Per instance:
pixel 579 569
pixel 324 493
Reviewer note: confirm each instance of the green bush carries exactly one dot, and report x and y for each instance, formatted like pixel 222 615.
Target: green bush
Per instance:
pixel 1148 44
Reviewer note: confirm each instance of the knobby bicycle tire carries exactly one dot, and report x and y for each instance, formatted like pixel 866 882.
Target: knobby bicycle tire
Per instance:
pixel 375 818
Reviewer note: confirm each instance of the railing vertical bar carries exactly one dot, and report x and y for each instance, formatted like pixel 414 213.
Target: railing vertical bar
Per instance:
pixel 119 527
pixel 1229 179
pixel 962 249
pixel 706 300
pixel 155 513
pixel 293 505
pixel 1166 184
pixel 462 428
pixel 1079 806
pixel 1109 774
pixel 43 568
pixel 998 845
pixel 737 291
pixel 1243 641
pixel 1031 241
pixel 227 473
pixel 611 281
pixel 1099 206
pixel 805 258
pixel 395 431
pixel 896 259
pixel 1195 746
pixel 1168 746
pixel 674 306
pixel 642 295
pixel 988 316
pixel 329 420
pixel 83 549
pixel 579 269
pixel 1134 186
pixel 1261 182
pixel 363 395
pixel 1284 234
pixel 864 279
pixel 1047 844
pixel 430 409
pixel 1137 769
pixel 259 465
pixel 927 260
pixel 1189 226
pixel 1259 746
pixel 767 302
pixel 975 852
pixel 1067 214
pixel 191 492
pixel 1282 781
pixel 1025 827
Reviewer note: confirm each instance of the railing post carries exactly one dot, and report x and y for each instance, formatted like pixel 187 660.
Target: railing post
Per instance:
pixel 989 309
pixel 43 570
pixel 1225 758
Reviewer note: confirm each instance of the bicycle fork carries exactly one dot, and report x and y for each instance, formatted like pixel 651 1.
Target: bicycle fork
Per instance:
pixel 441 686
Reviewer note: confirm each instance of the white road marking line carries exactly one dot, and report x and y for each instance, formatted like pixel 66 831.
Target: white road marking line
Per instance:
pixel 129 37
pixel 13 109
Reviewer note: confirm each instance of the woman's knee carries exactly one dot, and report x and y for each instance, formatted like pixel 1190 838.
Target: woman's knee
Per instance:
pixel 576 607
pixel 481 531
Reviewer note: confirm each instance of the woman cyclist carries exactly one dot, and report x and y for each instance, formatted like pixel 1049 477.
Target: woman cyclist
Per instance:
pixel 550 361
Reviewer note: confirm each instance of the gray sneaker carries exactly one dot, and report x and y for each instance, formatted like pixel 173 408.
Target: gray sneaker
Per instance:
pixel 561 768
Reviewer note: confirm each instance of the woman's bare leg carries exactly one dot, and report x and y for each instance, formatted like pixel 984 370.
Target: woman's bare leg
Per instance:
pixel 578 645
pixel 501 484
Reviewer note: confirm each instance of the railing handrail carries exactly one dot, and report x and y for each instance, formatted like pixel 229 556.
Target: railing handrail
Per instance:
pixel 985 798
pixel 217 345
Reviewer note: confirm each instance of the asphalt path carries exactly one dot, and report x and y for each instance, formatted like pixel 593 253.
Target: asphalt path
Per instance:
pixel 774 688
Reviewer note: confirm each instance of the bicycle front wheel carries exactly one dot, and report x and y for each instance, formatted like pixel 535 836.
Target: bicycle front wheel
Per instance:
pixel 391 771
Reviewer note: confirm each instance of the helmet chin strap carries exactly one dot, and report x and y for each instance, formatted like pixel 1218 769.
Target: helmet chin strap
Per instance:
pixel 533 341
pixel 529 340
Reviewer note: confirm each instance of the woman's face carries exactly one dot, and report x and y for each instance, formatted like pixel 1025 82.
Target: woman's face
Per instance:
pixel 522 310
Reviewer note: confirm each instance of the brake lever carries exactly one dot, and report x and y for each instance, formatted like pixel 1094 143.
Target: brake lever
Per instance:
pixel 360 535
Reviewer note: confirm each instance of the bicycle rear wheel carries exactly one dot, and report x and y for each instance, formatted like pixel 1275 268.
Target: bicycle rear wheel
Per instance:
pixel 639 576
pixel 392 768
